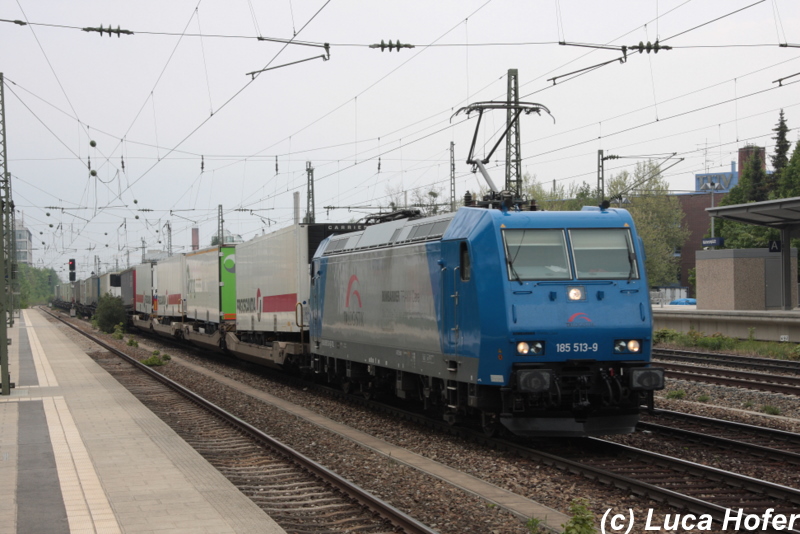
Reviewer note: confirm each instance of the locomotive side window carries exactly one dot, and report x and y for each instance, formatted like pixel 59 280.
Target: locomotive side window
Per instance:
pixel 533 254
pixel 604 253
pixel 466 266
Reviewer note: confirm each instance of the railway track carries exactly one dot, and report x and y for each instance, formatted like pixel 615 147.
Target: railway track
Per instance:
pixel 299 494
pixel 767 443
pixel 745 362
pixel 789 385
pixel 681 484
pixel 685 485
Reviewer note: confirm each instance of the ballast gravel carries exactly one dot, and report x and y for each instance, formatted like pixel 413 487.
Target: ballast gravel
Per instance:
pixel 427 499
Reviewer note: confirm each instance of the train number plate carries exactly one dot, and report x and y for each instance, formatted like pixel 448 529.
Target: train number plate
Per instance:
pixel 576 347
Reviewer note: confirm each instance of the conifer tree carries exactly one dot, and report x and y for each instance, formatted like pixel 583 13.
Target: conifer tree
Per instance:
pixel 780 158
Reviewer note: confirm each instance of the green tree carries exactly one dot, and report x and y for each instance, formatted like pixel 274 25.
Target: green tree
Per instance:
pixel 645 193
pixel 752 187
pixel 109 313
pixel 780 158
pixel 658 217
pixel 753 180
pixel 35 285
pixel 789 179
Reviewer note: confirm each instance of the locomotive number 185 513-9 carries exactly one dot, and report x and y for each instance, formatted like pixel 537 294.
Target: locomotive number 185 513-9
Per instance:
pixel 576 347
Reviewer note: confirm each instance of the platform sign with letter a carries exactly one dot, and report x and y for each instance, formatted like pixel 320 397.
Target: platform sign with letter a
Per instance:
pixel 775 246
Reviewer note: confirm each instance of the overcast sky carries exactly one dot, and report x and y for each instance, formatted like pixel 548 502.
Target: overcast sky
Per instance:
pixel 195 131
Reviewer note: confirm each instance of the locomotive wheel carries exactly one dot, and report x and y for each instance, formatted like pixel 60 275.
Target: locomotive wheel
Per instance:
pixel 490 425
pixel 347 387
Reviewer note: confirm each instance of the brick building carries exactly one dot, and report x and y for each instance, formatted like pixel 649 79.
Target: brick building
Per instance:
pixel 697 220
pixel 694 207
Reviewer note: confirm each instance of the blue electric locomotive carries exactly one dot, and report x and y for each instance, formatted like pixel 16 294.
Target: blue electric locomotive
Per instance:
pixel 539 321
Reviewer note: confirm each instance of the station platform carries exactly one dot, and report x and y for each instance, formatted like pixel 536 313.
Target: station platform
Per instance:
pixel 770 325
pixel 80 454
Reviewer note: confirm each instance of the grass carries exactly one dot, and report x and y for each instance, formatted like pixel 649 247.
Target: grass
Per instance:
pixel 770 410
pixel 676 394
pixel 153 361
pixel 693 339
pixel 703 398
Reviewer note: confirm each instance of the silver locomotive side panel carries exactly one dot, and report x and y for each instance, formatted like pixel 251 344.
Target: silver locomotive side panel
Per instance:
pixel 272 277
pixel 171 291
pixel 379 303
pixel 203 285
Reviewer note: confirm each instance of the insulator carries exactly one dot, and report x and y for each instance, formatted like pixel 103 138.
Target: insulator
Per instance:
pixel 202 163
pixel 276 165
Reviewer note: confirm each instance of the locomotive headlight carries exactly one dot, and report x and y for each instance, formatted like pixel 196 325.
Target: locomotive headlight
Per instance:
pixel 627 345
pixel 534 348
pixel 576 293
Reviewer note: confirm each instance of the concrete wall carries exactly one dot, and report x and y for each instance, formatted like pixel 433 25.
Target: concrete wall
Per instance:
pixel 763 325
pixel 736 279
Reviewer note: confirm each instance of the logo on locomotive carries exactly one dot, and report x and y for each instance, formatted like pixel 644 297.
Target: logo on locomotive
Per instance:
pixel 584 322
pixel 351 316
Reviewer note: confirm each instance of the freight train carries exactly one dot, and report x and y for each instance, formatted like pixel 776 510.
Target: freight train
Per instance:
pixel 538 322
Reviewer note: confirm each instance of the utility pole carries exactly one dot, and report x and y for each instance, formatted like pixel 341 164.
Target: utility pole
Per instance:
pixel 220 229
pixel 169 239
pixel 5 378
pixel 310 210
pixel 452 176
pixel 10 247
pixel 513 156
pixel 600 176
pixel 144 248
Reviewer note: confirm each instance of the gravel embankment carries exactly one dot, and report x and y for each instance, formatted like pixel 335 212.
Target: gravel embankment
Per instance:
pixel 430 500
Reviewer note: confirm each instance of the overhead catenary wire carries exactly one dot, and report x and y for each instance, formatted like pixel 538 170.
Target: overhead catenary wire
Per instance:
pixel 356 157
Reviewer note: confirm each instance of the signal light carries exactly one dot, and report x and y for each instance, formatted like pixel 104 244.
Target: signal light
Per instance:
pixel 71 264
pixel 72 276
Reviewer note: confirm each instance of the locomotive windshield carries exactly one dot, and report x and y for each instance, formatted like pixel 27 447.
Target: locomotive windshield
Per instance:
pixel 603 253
pixel 536 254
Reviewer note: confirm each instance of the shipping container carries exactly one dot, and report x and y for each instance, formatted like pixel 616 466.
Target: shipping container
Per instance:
pixel 144 285
pixel 171 291
pixel 211 284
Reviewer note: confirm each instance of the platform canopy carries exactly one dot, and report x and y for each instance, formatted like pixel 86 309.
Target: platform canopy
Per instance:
pixel 783 214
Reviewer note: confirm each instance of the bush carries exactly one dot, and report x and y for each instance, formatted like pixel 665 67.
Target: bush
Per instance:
pixel 153 361
pixel 110 312
pixel 665 335
pixel 133 343
pixel 166 357
pixel 582 520
pixel 119 331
